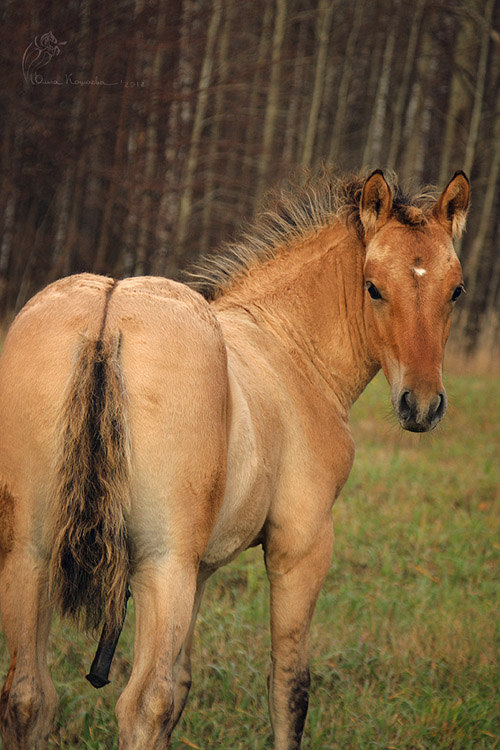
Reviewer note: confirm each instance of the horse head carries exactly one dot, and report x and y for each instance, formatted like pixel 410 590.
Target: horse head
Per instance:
pixel 412 280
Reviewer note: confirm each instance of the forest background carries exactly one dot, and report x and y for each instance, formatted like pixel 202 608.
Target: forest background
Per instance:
pixel 140 133
pixel 137 134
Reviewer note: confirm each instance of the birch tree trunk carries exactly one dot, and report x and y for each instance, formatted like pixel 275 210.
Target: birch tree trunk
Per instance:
pixel 458 99
pixel 291 133
pixel 210 197
pixel 470 148
pixel 114 182
pixel 373 146
pixel 256 84
pixel 375 74
pixel 10 194
pixel 247 198
pixel 418 116
pixel 66 190
pixel 272 98
pixel 487 207
pixel 130 225
pixel 343 92
pixel 404 85
pixel 199 118
pixel 167 255
pixel 151 146
pixel 67 193
pixel 8 227
pixel 324 22
pixel 480 79
pixel 135 170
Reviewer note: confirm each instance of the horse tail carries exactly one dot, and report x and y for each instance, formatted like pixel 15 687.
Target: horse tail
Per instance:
pixel 90 560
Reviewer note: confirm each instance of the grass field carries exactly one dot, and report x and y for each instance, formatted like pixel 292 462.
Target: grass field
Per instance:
pixel 404 643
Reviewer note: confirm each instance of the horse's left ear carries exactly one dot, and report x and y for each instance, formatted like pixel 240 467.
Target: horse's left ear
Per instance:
pixel 452 205
pixel 376 202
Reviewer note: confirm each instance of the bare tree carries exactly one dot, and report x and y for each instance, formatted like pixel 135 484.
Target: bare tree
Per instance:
pixel 404 84
pixel 325 14
pixel 199 117
pixel 480 79
pixel 271 112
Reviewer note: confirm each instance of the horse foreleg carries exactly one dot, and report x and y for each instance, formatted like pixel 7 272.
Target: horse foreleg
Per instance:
pixel 164 593
pixel 28 699
pixel 295 585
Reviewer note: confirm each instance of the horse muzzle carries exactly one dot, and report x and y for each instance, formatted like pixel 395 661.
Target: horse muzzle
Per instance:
pixel 419 414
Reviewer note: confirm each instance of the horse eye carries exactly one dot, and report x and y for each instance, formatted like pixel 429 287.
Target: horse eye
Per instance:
pixel 456 294
pixel 372 290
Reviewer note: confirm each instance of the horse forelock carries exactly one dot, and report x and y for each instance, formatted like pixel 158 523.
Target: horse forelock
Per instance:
pixel 305 205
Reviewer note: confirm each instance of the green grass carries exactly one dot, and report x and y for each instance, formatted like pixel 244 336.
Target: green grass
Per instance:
pixel 404 643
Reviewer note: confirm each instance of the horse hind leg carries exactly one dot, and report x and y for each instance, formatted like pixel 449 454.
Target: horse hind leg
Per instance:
pixel 164 594
pixel 28 699
pixel 182 666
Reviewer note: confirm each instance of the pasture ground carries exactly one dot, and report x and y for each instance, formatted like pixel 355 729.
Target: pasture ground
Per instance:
pixel 404 643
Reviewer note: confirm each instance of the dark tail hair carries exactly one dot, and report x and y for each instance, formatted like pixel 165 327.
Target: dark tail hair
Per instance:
pixel 90 559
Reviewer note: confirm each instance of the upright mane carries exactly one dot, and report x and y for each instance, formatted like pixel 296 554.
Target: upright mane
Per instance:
pixel 290 214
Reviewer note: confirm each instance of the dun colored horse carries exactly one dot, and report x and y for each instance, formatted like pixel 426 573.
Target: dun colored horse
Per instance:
pixel 150 433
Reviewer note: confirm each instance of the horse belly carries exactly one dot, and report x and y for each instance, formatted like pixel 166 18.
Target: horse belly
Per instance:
pixel 249 482
pixel 240 521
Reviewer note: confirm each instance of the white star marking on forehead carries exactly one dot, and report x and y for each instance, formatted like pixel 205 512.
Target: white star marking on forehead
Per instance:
pixel 419 271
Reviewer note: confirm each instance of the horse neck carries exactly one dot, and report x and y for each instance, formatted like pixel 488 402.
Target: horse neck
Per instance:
pixel 311 297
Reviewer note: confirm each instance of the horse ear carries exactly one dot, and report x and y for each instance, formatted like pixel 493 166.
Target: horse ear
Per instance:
pixel 376 202
pixel 453 203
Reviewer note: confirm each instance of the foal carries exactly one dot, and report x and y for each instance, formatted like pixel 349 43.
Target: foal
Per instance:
pixel 149 435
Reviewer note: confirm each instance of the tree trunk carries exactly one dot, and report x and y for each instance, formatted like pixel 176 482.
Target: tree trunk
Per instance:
pixel 72 194
pixel 370 92
pixel 114 181
pixel 66 191
pixel 470 148
pixel 151 152
pixel 210 197
pixel 324 22
pixel 458 99
pixel 347 71
pixel 272 98
pixel 256 84
pixel 130 226
pixel 418 115
pixel 373 147
pixel 487 216
pixel 167 255
pixel 404 85
pixel 135 170
pixel 185 205
pixel 10 196
pixel 290 138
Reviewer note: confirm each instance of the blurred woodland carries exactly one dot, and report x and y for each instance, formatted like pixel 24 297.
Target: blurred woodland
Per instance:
pixel 138 134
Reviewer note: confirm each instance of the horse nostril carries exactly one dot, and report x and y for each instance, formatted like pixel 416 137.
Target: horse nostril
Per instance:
pixel 406 404
pixel 438 407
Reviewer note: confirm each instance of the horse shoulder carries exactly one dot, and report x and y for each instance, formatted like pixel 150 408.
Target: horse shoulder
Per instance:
pixel 315 467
